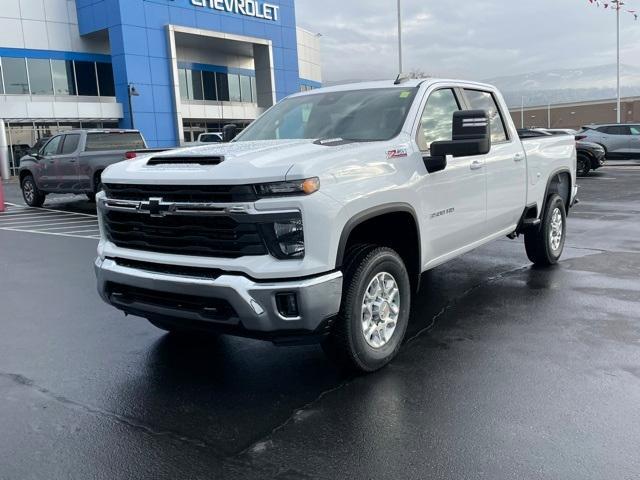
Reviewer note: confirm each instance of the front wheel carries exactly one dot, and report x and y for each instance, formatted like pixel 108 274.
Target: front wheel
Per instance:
pixel 375 310
pixel 32 196
pixel 544 245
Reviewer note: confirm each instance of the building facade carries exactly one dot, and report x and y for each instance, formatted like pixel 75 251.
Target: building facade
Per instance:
pixel 575 115
pixel 171 68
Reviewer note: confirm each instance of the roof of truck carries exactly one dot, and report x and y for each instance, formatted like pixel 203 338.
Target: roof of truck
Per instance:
pixel 407 83
pixel 102 130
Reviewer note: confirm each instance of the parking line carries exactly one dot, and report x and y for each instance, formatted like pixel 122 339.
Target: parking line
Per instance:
pixel 49 221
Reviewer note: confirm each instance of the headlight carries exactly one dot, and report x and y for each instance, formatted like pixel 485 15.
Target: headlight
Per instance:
pixel 285 239
pixel 294 187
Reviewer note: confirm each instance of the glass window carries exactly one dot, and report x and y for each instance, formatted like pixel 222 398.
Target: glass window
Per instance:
pixel 1 83
pixel 209 84
pixel 635 130
pixel 196 85
pixel 356 115
pixel 40 76
pixel 436 123
pixel 63 78
pixel 105 79
pixel 618 130
pixel 52 147
pixel 182 81
pixel 15 76
pixel 222 85
pixel 98 142
pixel 70 144
pixel 86 76
pixel 245 89
pixel 234 88
pixel 485 101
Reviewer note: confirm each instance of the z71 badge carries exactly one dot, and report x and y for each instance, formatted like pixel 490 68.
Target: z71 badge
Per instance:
pixel 397 153
pixel 443 212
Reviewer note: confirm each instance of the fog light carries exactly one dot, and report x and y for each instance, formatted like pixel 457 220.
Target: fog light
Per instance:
pixel 287 304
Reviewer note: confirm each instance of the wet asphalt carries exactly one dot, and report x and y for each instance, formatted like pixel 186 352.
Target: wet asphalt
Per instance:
pixel 508 372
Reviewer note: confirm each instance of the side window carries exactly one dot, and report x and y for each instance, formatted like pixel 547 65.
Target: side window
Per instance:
pixel 70 144
pixel 635 130
pixel 51 148
pixel 620 130
pixel 484 101
pixel 436 123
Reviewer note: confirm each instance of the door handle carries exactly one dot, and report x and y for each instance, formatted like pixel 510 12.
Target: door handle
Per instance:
pixel 518 157
pixel 476 164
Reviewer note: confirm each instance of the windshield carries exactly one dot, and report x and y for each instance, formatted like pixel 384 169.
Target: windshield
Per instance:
pixel 357 115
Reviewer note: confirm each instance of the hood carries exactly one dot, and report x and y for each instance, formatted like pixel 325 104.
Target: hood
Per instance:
pixel 244 163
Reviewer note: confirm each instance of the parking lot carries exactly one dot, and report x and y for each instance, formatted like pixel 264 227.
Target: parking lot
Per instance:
pixel 508 371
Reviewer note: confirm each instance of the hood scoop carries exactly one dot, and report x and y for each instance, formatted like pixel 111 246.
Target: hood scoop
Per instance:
pixel 185 160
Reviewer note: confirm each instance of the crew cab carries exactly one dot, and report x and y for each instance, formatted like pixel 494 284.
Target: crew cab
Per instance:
pixel 73 162
pixel 316 222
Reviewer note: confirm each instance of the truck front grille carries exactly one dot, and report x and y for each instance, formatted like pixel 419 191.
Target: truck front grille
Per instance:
pixel 182 193
pixel 197 235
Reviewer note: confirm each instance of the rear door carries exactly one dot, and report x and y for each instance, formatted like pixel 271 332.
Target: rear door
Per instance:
pixel 454 199
pixel 51 178
pixel 505 165
pixel 68 161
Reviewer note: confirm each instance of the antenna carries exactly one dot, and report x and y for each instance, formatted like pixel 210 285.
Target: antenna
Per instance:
pixel 401 78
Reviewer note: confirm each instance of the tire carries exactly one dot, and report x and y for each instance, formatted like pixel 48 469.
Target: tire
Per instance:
pixel 183 329
pixel 32 196
pixel 538 242
pixel 348 345
pixel 97 181
pixel 584 165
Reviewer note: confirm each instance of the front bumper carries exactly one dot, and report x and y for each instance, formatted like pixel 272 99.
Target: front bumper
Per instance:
pixel 254 309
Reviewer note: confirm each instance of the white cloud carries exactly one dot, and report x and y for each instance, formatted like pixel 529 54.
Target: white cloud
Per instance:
pixel 474 39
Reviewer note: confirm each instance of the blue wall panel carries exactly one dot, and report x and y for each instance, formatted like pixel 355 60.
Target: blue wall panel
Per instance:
pixel 139 49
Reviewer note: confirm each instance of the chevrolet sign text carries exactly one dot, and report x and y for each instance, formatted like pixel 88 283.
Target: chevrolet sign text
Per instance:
pixel 249 8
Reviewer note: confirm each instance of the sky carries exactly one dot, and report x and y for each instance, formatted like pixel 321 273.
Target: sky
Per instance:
pixel 471 39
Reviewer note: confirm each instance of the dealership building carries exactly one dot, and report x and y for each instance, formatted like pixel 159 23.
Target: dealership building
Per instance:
pixel 171 68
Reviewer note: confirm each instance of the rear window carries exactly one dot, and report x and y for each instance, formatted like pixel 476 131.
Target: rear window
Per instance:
pixel 106 141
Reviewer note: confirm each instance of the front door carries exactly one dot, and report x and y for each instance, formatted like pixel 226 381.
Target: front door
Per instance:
pixel 51 175
pixel 505 166
pixel 454 199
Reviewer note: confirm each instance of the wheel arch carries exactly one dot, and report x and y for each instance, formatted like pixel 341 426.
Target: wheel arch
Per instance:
pixel 561 182
pixel 390 216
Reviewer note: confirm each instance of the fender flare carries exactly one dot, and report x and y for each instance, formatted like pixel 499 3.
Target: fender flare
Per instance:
pixel 553 175
pixel 372 213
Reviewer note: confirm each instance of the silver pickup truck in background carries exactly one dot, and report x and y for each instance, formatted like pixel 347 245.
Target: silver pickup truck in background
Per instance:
pixel 73 162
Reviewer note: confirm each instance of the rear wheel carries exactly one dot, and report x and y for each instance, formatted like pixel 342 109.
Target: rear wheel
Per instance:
pixel 32 196
pixel 545 244
pixel 97 182
pixel 584 165
pixel 375 310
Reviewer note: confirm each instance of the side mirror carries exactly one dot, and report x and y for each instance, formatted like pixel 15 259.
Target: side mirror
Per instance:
pixel 36 155
pixel 229 132
pixel 471 136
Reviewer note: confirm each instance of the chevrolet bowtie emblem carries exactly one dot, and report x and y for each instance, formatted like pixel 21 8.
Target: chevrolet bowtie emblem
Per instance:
pixel 156 207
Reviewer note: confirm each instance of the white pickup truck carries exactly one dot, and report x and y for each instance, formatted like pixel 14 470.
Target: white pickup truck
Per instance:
pixel 316 222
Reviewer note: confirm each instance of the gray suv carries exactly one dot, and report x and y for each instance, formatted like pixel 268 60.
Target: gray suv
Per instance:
pixel 620 141
pixel 72 162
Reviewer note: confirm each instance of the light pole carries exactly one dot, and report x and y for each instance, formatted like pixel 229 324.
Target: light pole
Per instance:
pixel 618 5
pixel 399 37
